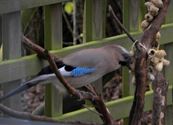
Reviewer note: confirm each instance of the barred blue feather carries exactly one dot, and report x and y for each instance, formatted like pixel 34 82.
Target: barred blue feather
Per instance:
pixel 80 71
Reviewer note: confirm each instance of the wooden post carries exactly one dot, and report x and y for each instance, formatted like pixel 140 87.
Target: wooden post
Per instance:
pixel 133 13
pixel 169 112
pixel 169 69
pixel 87 21
pixel 131 19
pixel 131 22
pixel 53 40
pixel 125 82
pixel 94 20
pixel 0 30
pixel 94 24
pixel 75 27
pixel 99 19
pixel 11 37
pixel 169 17
pixel 53 26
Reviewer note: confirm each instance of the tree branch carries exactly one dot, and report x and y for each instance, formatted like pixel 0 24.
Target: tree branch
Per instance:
pixel 28 116
pixel 141 65
pixel 160 87
pixel 150 33
pixel 24 115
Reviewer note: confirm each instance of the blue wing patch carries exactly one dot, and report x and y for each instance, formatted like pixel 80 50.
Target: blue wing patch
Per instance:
pixel 80 71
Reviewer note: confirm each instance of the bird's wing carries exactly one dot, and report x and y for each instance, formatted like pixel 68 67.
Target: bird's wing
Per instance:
pixel 84 58
pixel 101 59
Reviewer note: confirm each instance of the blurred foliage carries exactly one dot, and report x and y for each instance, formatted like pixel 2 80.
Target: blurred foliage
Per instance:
pixel 68 7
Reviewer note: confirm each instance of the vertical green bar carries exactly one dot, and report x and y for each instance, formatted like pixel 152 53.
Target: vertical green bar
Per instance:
pixel 125 87
pixel 94 20
pixel 169 15
pixel 99 19
pixel 87 21
pixel 11 38
pixel 132 14
pixel 169 115
pixel 53 26
pixel 126 13
pixel 125 81
pixel 94 24
pixel 53 40
pixel 0 41
pixel 132 17
pixel 27 17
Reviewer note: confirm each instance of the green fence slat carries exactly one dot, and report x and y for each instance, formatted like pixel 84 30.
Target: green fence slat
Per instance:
pixel 8 6
pixel 119 109
pixel 13 69
pixel 53 40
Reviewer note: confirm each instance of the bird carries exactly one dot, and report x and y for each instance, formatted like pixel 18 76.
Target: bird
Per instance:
pixel 80 68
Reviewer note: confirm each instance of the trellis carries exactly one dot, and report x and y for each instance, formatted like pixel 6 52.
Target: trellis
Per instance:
pixel 14 67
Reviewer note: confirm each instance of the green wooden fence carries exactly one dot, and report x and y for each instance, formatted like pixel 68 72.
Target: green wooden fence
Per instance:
pixel 14 67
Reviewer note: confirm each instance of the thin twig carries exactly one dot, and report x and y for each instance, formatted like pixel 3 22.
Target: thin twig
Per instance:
pixel 91 89
pixel 24 115
pixel 91 110
pixel 70 27
pixel 67 22
pixel 39 50
pixel 120 24
pixel 29 116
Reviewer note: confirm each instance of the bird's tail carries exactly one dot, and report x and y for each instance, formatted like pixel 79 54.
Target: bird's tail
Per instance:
pixel 22 87
pixel 17 90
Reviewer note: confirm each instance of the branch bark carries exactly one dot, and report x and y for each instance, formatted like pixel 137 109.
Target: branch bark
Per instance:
pixel 160 87
pixel 141 66
pixel 24 115
pixel 28 116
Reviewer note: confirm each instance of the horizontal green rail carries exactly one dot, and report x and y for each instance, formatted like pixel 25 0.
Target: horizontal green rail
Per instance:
pixel 7 6
pixel 119 109
pixel 29 65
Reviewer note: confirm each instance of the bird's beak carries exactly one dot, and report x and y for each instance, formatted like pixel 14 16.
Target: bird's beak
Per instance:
pixel 129 62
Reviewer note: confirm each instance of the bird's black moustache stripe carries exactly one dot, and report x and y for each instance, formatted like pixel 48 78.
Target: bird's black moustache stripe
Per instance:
pixel 69 68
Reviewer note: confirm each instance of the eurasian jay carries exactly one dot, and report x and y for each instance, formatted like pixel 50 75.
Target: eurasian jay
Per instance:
pixel 81 68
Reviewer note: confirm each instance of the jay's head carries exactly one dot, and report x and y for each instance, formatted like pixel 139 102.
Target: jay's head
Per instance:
pixel 125 58
pixel 128 61
pixel 120 55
